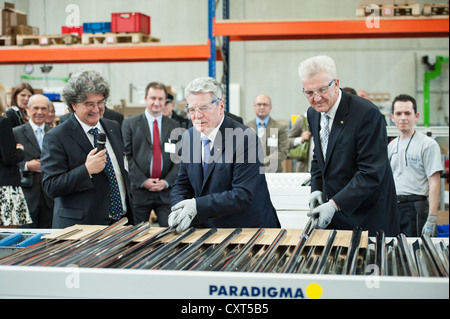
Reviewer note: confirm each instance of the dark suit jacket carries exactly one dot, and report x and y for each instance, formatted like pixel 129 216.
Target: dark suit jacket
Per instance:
pixel 15 116
pixel 32 182
pixel 183 122
pixel 109 114
pixel 79 199
pixel 357 174
pixel 234 191
pixel 10 156
pixel 139 151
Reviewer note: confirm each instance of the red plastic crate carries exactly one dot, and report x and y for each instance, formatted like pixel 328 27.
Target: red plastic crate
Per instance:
pixel 130 22
pixel 70 30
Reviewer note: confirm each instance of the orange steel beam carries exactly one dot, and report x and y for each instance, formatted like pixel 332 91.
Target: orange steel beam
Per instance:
pixel 335 29
pixel 104 54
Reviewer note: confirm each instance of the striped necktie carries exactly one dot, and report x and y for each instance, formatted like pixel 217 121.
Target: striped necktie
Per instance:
pixel 324 134
pixel 115 208
pixel 261 129
pixel 206 153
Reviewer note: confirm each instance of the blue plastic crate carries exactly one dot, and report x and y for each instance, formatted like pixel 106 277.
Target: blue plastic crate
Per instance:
pixel 97 27
pixel 53 96
pixel 442 231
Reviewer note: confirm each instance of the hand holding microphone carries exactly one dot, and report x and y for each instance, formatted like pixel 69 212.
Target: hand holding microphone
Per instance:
pixel 96 159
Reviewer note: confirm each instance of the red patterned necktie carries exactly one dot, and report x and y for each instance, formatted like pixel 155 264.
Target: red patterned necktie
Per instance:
pixel 156 166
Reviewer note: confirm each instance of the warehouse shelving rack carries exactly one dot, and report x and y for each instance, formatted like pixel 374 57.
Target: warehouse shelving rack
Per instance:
pixel 357 28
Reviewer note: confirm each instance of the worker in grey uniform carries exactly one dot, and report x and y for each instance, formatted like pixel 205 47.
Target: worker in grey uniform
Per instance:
pixel 417 167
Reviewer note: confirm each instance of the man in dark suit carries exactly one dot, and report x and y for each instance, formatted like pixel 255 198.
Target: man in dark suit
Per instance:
pixel 30 135
pixel 108 114
pixel 148 148
pixel 221 181
pixel 87 185
pixel 351 178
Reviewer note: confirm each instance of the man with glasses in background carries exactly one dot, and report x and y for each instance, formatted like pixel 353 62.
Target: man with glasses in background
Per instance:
pixel 351 178
pixel 273 134
pixel 89 186
pixel 220 183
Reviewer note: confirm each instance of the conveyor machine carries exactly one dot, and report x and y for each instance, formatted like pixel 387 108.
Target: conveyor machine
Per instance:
pixel 151 262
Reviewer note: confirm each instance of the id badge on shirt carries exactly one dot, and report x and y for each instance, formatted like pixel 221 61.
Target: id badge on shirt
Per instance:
pixel 170 147
pixel 272 141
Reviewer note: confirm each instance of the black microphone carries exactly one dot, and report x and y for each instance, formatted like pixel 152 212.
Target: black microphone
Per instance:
pixel 101 142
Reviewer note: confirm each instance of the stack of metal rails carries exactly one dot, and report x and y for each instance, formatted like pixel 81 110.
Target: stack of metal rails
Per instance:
pixel 241 255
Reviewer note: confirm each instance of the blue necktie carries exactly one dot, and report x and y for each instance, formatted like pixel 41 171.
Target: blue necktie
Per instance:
pixel 115 208
pixel 206 153
pixel 39 137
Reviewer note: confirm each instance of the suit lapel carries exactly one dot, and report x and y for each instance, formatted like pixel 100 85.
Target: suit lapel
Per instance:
pixel 315 124
pixel 338 124
pixel 113 140
pixel 144 127
pixel 29 134
pixel 78 135
pixel 216 150
pixel 165 131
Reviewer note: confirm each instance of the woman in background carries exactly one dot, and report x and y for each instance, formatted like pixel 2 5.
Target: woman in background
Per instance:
pixel 17 114
pixel 13 207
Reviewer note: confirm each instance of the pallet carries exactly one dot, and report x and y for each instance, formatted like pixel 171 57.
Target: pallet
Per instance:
pixel 115 38
pixel 435 9
pixel 392 10
pixel 7 40
pixel 44 40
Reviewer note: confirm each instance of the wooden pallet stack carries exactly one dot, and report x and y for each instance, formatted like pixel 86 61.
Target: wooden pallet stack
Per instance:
pixel 116 38
pixel 124 28
pixel 399 8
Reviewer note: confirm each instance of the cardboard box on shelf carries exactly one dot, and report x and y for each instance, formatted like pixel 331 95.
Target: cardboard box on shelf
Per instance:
pixel 22 29
pixel 10 17
pixel 363 3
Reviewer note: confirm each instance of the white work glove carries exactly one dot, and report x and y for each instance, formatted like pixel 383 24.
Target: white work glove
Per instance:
pixel 182 214
pixel 315 199
pixel 430 226
pixel 324 213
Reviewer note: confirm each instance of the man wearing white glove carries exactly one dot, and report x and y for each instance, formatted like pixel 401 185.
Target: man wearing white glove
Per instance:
pixel 417 166
pixel 350 164
pixel 182 214
pixel 324 214
pixel 219 183
pixel 429 228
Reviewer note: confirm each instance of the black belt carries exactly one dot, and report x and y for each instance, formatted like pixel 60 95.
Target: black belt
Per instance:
pixel 410 198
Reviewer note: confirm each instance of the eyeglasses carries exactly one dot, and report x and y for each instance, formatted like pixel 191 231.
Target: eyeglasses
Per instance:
pixel 310 93
pixel 201 109
pixel 91 105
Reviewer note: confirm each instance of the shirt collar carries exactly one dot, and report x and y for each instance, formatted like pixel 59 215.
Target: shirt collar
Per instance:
pixel 266 121
pixel 86 127
pixel 151 118
pixel 332 112
pixel 35 126
pixel 212 136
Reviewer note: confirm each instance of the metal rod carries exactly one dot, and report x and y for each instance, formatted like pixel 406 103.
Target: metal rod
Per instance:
pixel 207 263
pixel 260 265
pixel 380 252
pixel 408 261
pixel 352 252
pixel 434 255
pixel 326 252
pixel 188 251
pixel 292 262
